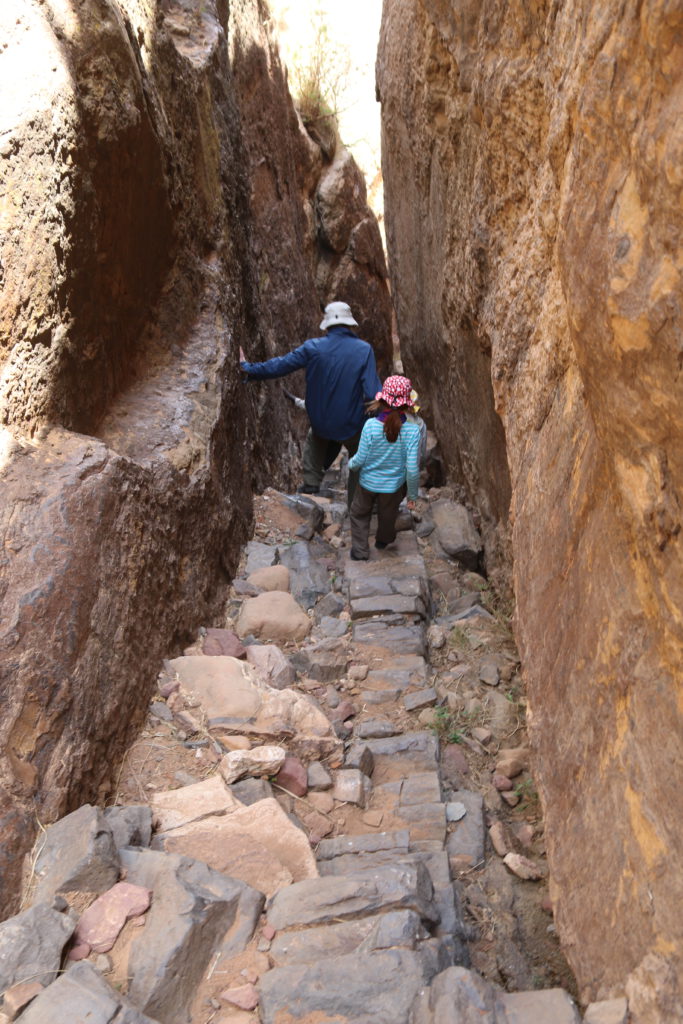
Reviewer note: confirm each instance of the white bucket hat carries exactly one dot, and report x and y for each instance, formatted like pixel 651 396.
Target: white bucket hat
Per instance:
pixel 337 313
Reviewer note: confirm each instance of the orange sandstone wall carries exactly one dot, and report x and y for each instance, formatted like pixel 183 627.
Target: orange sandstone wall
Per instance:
pixel 532 166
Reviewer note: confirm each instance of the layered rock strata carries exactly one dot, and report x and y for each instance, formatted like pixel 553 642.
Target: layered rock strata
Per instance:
pixel 157 202
pixel 533 207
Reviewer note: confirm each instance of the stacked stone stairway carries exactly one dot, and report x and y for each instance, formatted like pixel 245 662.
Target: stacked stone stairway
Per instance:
pixel 284 845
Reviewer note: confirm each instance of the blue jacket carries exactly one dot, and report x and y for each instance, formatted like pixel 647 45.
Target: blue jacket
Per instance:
pixel 341 376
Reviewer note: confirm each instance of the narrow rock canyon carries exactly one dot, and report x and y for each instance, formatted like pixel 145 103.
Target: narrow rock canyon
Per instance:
pixel 162 207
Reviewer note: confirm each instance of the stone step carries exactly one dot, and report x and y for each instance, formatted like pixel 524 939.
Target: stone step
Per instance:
pixel 400 604
pixel 396 636
pixel 402 928
pixel 404 755
pixel 359 988
pixel 331 899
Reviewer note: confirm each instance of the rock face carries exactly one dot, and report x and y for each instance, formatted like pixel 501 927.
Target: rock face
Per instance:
pixel 157 213
pixel 533 207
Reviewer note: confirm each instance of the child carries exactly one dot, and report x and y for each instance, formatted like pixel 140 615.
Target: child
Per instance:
pixel 387 458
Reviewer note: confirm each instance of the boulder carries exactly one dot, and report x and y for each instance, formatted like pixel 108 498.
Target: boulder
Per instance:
pixel 456 533
pixel 193 909
pixel 260 556
pixel 130 825
pixel 271 664
pixel 273 616
pixel 224 686
pixel 310 579
pixel 458 994
pixel 273 577
pixel 174 808
pixel 31 945
pixel 258 762
pixel 78 852
pixel 234 843
pixel 82 994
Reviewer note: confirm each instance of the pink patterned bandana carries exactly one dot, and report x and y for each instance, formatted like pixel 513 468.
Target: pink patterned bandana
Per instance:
pixel 395 392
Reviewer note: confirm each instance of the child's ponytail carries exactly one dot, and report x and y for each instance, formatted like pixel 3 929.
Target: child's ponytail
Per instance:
pixel 392 425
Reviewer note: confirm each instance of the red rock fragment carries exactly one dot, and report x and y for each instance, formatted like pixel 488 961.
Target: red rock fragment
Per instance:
pixel 102 922
pixel 243 996
pixel 78 951
pixel 223 642
pixel 293 776
pixel 14 999
pixel 268 932
pixel 502 783
pixel 454 759
pixel 344 710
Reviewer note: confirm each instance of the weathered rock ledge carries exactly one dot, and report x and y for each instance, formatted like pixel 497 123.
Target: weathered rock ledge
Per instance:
pixel 158 212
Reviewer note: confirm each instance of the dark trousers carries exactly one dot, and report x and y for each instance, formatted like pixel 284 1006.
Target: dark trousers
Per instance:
pixel 361 511
pixel 319 453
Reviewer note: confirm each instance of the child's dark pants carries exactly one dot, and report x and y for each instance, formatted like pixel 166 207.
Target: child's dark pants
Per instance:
pixel 361 511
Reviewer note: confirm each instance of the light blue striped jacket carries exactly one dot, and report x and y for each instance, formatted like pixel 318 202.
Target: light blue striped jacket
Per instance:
pixel 384 466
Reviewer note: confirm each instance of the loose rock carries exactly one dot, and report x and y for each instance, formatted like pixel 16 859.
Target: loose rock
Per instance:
pixel 259 761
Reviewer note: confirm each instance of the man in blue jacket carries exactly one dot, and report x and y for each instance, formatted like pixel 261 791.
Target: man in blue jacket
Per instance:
pixel 341 377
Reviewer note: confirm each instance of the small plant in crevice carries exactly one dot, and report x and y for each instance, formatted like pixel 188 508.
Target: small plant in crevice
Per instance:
pixel 459 639
pixel 527 793
pixel 319 79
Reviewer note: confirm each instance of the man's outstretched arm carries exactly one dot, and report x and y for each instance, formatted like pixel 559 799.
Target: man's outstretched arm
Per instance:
pixel 279 366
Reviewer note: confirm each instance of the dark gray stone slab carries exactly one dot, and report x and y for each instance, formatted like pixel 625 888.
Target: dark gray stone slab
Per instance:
pixel 193 908
pixel 306 508
pixel 376 728
pixel 331 627
pixel 330 898
pixel 475 612
pixel 79 996
pixel 360 756
pixel 380 696
pixel 398 604
pixel 397 928
pixel 130 825
pixel 364 988
pixel 399 639
pixel 421 788
pixel 417 751
pixel 467 837
pixel 308 580
pixel 259 556
pixel 459 996
pixel 250 791
pixel 420 699
pixel 78 853
pixel 318 777
pixel 370 842
pixel 401 928
pixel 325 661
pixel 331 604
pixel 31 945
pixel 425 821
pixel 310 945
pixel 457 533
